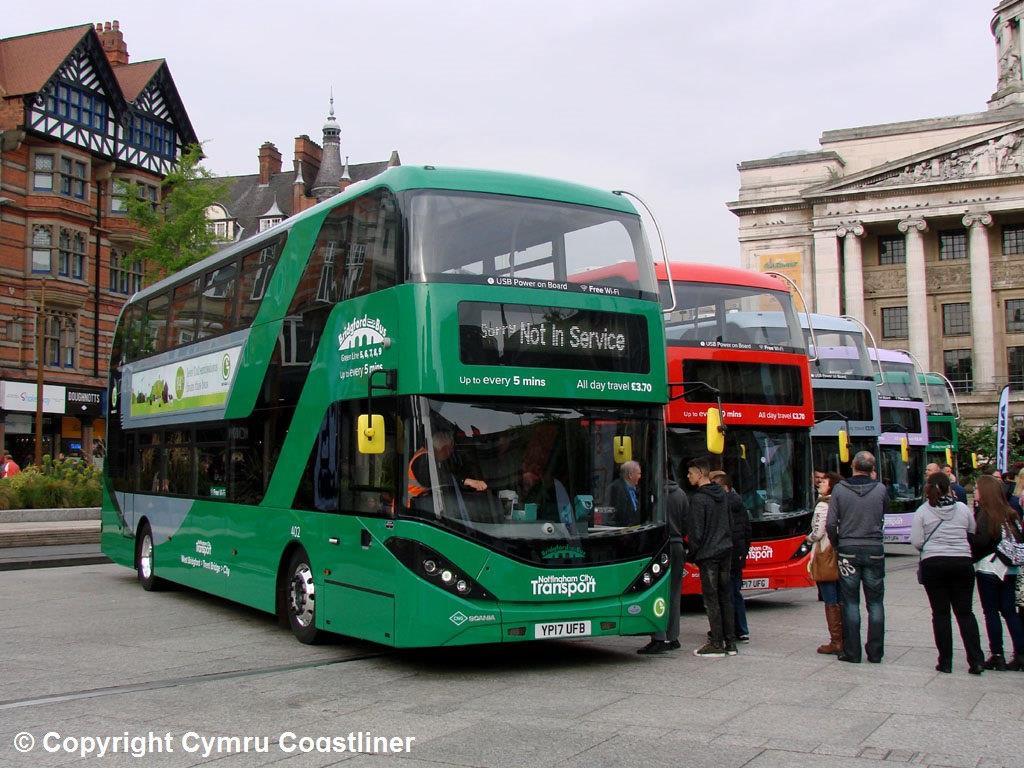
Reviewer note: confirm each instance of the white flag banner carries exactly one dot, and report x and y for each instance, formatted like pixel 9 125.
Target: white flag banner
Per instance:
pixel 1003 431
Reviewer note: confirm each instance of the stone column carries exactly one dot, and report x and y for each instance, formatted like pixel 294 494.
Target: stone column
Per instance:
pixel 853 267
pixel 982 330
pixel 826 272
pixel 914 228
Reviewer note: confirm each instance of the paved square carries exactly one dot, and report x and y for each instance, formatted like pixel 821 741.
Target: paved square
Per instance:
pixel 88 653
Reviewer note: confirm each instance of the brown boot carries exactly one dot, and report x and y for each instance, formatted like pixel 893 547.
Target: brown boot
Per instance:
pixel 834 617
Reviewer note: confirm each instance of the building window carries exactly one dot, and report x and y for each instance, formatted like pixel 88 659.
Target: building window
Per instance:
pixel 42 173
pixel 959 369
pixel 219 229
pixel 72 175
pixel 1015 366
pixel 1013 240
pixel 268 221
pixel 1015 315
pixel 119 193
pixel 71 254
pixel 152 135
pixel 60 340
pixel 892 249
pixel 78 106
pixel 956 319
pixel 42 249
pixel 125 274
pixel 952 245
pixel 894 323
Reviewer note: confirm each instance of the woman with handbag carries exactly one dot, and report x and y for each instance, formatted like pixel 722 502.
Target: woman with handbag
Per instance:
pixel 997 575
pixel 824 567
pixel 941 532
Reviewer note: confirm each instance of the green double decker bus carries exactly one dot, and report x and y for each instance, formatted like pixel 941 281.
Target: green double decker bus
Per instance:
pixel 943 413
pixel 402 416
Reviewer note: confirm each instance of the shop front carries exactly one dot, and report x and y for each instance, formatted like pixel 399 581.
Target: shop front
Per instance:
pixel 72 424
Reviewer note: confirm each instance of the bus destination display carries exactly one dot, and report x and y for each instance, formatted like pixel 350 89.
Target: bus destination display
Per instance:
pixel 530 336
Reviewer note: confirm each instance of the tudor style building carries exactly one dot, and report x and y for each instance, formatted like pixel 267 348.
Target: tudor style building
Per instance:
pixel 256 202
pixel 915 228
pixel 76 117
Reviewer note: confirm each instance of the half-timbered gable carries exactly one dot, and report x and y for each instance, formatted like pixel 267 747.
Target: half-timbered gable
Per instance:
pixel 81 102
pixel 156 128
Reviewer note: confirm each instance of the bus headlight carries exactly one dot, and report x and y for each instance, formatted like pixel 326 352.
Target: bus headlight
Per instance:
pixel 802 550
pixel 431 566
pixel 653 571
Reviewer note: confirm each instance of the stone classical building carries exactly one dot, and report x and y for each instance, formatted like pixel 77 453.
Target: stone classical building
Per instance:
pixel 76 118
pixel 256 202
pixel 915 228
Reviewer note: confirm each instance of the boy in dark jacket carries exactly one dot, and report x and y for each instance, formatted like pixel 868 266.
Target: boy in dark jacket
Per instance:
pixel 740 529
pixel 710 547
pixel 676 508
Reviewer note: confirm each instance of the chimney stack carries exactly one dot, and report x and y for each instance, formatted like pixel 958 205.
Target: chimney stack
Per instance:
pixel 113 43
pixel 270 161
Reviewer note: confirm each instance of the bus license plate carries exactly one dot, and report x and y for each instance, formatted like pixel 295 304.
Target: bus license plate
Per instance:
pixel 754 584
pixel 561 629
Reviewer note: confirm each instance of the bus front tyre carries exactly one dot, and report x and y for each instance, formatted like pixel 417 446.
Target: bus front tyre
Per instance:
pixel 145 557
pixel 299 604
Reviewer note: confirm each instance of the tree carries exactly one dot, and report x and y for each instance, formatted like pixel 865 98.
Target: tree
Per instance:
pixel 982 441
pixel 175 230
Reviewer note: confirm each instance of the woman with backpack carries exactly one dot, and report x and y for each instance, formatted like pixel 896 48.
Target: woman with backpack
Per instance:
pixel 997 579
pixel 941 532
pixel 828 591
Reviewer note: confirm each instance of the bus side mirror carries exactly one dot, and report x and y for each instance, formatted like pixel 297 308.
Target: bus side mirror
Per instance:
pixel 715 432
pixel 370 429
pixel 949 456
pixel 974 461
pixel 904 449
pixel 844 447
pixel 622 448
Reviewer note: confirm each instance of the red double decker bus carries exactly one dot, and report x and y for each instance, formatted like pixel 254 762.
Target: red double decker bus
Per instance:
pixel 721 354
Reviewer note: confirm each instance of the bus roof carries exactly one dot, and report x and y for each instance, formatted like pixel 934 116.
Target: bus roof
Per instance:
pixel 408 177
pixel 890 356
pixel 695 272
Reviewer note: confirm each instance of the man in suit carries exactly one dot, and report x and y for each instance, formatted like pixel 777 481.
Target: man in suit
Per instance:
pixel 624 494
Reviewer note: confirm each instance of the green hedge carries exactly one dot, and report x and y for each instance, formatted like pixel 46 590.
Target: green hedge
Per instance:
pixel 56 484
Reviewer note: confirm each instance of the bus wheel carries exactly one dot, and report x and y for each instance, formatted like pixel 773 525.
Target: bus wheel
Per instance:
pixel 144 558
pixel 299 602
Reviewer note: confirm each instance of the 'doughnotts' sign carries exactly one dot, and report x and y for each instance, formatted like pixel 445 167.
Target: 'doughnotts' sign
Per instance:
pixel 184 385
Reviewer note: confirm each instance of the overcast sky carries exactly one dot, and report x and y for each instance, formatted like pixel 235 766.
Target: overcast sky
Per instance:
pixel 661 98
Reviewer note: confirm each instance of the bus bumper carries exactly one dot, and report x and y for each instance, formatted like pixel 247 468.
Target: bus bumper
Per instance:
pixel 896 528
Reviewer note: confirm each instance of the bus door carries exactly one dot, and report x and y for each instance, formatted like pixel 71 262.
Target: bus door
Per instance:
pixel 357 491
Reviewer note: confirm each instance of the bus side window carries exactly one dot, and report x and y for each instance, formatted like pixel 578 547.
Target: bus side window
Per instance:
pixel 367 481
pixel 154 320
pixel 218 310
pixel 184 314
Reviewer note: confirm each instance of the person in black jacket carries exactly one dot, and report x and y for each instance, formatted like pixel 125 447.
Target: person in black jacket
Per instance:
pixel 710 547
pixel 740 529
pixel 676 508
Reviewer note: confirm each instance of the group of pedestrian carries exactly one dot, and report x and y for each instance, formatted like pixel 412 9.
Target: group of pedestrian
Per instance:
pixel 709 527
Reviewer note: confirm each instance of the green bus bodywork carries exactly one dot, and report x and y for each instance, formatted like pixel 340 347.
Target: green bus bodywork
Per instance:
pixel 362 588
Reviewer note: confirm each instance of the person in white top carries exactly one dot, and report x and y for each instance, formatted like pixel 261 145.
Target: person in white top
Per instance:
pixel 828 591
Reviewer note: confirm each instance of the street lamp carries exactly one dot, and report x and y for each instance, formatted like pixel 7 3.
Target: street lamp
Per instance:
pixel 40 363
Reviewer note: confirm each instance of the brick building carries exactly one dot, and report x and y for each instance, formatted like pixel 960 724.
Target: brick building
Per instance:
pixel 258 201
pixel 76 117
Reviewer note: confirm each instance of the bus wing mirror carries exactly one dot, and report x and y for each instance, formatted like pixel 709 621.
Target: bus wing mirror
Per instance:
pixel 371 433
pixel 622 448
pixel 904 449
pixel 716 434
pixel 844 446
pixel 949 456
pixel 974 460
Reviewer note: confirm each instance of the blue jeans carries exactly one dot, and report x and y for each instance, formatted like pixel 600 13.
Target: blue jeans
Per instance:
pixel 828 591
pixel 862 565
pixel 997 602
pixel 739 607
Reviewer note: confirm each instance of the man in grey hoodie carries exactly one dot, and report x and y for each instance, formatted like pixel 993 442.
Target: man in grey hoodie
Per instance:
pixel 856 513
pixel 676 507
